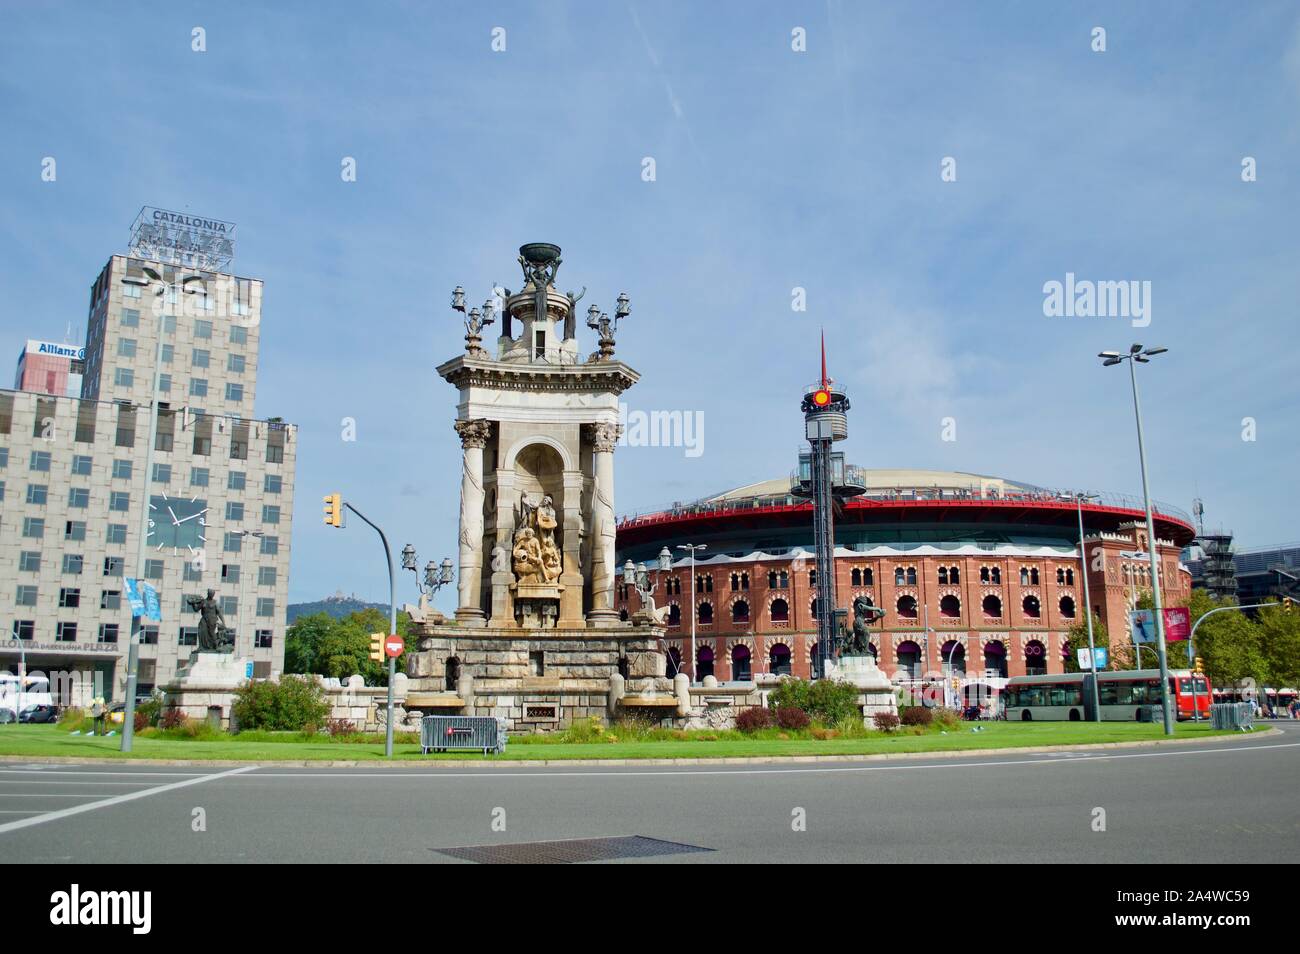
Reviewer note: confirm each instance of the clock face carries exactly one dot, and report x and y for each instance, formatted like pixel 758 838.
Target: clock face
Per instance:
pixel 178 524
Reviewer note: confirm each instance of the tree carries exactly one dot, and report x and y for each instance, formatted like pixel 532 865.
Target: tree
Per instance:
pixel 341 647
pixel 302 642
pixel 1078 639
pixel 1279 632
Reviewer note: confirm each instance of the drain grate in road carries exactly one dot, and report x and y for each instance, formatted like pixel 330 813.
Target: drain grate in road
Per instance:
pixel 569 852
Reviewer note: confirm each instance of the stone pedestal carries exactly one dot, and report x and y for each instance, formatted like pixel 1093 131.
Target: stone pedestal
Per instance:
pixel 875 693
pixel 537 679
pixel 205 688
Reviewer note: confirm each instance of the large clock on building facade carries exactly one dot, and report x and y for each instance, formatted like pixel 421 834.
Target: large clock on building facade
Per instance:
pixel 178 524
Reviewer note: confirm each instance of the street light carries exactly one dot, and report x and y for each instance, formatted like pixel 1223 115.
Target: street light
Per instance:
pixel 435 576
pixel 1079 498
pixel 150 277
pixel 1139 355
pixel 692 547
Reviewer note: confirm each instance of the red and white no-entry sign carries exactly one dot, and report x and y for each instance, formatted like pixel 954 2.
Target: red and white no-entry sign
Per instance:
pixel 394 646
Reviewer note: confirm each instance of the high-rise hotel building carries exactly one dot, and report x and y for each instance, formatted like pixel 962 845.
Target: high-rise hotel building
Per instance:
pixel 74 488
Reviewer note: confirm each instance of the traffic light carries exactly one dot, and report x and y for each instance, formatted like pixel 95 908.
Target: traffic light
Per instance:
pixel 377 646
pixel 334 510
pixel 1199 667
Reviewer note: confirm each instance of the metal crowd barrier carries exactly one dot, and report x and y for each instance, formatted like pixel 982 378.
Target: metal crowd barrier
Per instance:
pixel 442 733
pixel 1232 715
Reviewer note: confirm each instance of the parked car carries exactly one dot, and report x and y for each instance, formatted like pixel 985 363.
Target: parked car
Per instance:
pixel 39 713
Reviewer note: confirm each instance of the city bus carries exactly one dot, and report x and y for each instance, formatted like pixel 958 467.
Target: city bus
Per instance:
pixel 1123 696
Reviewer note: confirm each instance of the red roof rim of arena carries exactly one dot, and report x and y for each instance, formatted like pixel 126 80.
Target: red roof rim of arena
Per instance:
pixel 933 503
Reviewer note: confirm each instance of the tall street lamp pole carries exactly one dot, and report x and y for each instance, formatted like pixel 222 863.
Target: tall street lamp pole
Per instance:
pixel 1139 355
pixel 692 547
pixel 1079 498
pixel 151 277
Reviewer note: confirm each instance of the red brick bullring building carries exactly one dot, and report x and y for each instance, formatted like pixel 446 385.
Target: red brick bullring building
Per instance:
pixel 992 565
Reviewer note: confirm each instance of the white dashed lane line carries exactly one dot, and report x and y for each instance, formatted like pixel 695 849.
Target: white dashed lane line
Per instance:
pixel 11 807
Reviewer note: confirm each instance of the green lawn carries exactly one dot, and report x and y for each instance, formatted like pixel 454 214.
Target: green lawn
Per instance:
pixel 47 740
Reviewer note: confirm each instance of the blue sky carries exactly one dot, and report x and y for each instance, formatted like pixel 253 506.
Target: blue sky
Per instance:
pixel 774 169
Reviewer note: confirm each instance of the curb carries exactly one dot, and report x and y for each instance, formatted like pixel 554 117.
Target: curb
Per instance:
pixel 552 763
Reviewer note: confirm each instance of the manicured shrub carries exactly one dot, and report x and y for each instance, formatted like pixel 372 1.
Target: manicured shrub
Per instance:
pixel 947 718
pixel 790 693
pixel 789 717
pixel 885 721
pixel 171 719
pixel 141 721
pixel 827 701
pixel 916 715
pixel 151 709
pixel 753 719
pixel 291 704
pixel 830 702
pixel 340 727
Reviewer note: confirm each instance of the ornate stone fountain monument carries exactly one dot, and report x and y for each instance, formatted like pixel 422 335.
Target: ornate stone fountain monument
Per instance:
pixel 536 639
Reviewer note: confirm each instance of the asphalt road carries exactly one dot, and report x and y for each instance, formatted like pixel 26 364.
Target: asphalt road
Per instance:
pixel 1211 801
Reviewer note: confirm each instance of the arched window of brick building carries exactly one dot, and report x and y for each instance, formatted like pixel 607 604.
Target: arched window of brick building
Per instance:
pixel 1031 607
pixel 704 584
pixel 855 577
pixel 943 574
pixel 907 607
pixel 1033 576
pixel 909 659
pixel 950 607
pixel 1035 658
pixel 674 661
pixel 674 615
pixel 954 657
pixel 740 670
pixel 867 577
pixel 780 611
pixel 1024 576
pixel 995 657
pixel 1067 607
pixel 1060 576
pixel 813 608
pixel 812 577
pixel 779 659
pixel 704 666
pixel 1069 576
pixel 739 581
pixel 992 607
pixel 705 613
pixel 740 612
pixel 911 576
pixel 899 576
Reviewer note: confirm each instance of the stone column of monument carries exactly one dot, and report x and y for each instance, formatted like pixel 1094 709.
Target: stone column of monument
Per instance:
pixel 473 438
pixel 603 571
pixel 572 577
pixel 503 603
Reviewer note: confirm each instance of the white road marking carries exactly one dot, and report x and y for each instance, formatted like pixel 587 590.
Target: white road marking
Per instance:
pixel 51 771
pixel 543 771
pixel 118 799
pixel 62 781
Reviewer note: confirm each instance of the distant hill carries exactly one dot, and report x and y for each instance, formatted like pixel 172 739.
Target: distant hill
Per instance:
pixel 337 606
